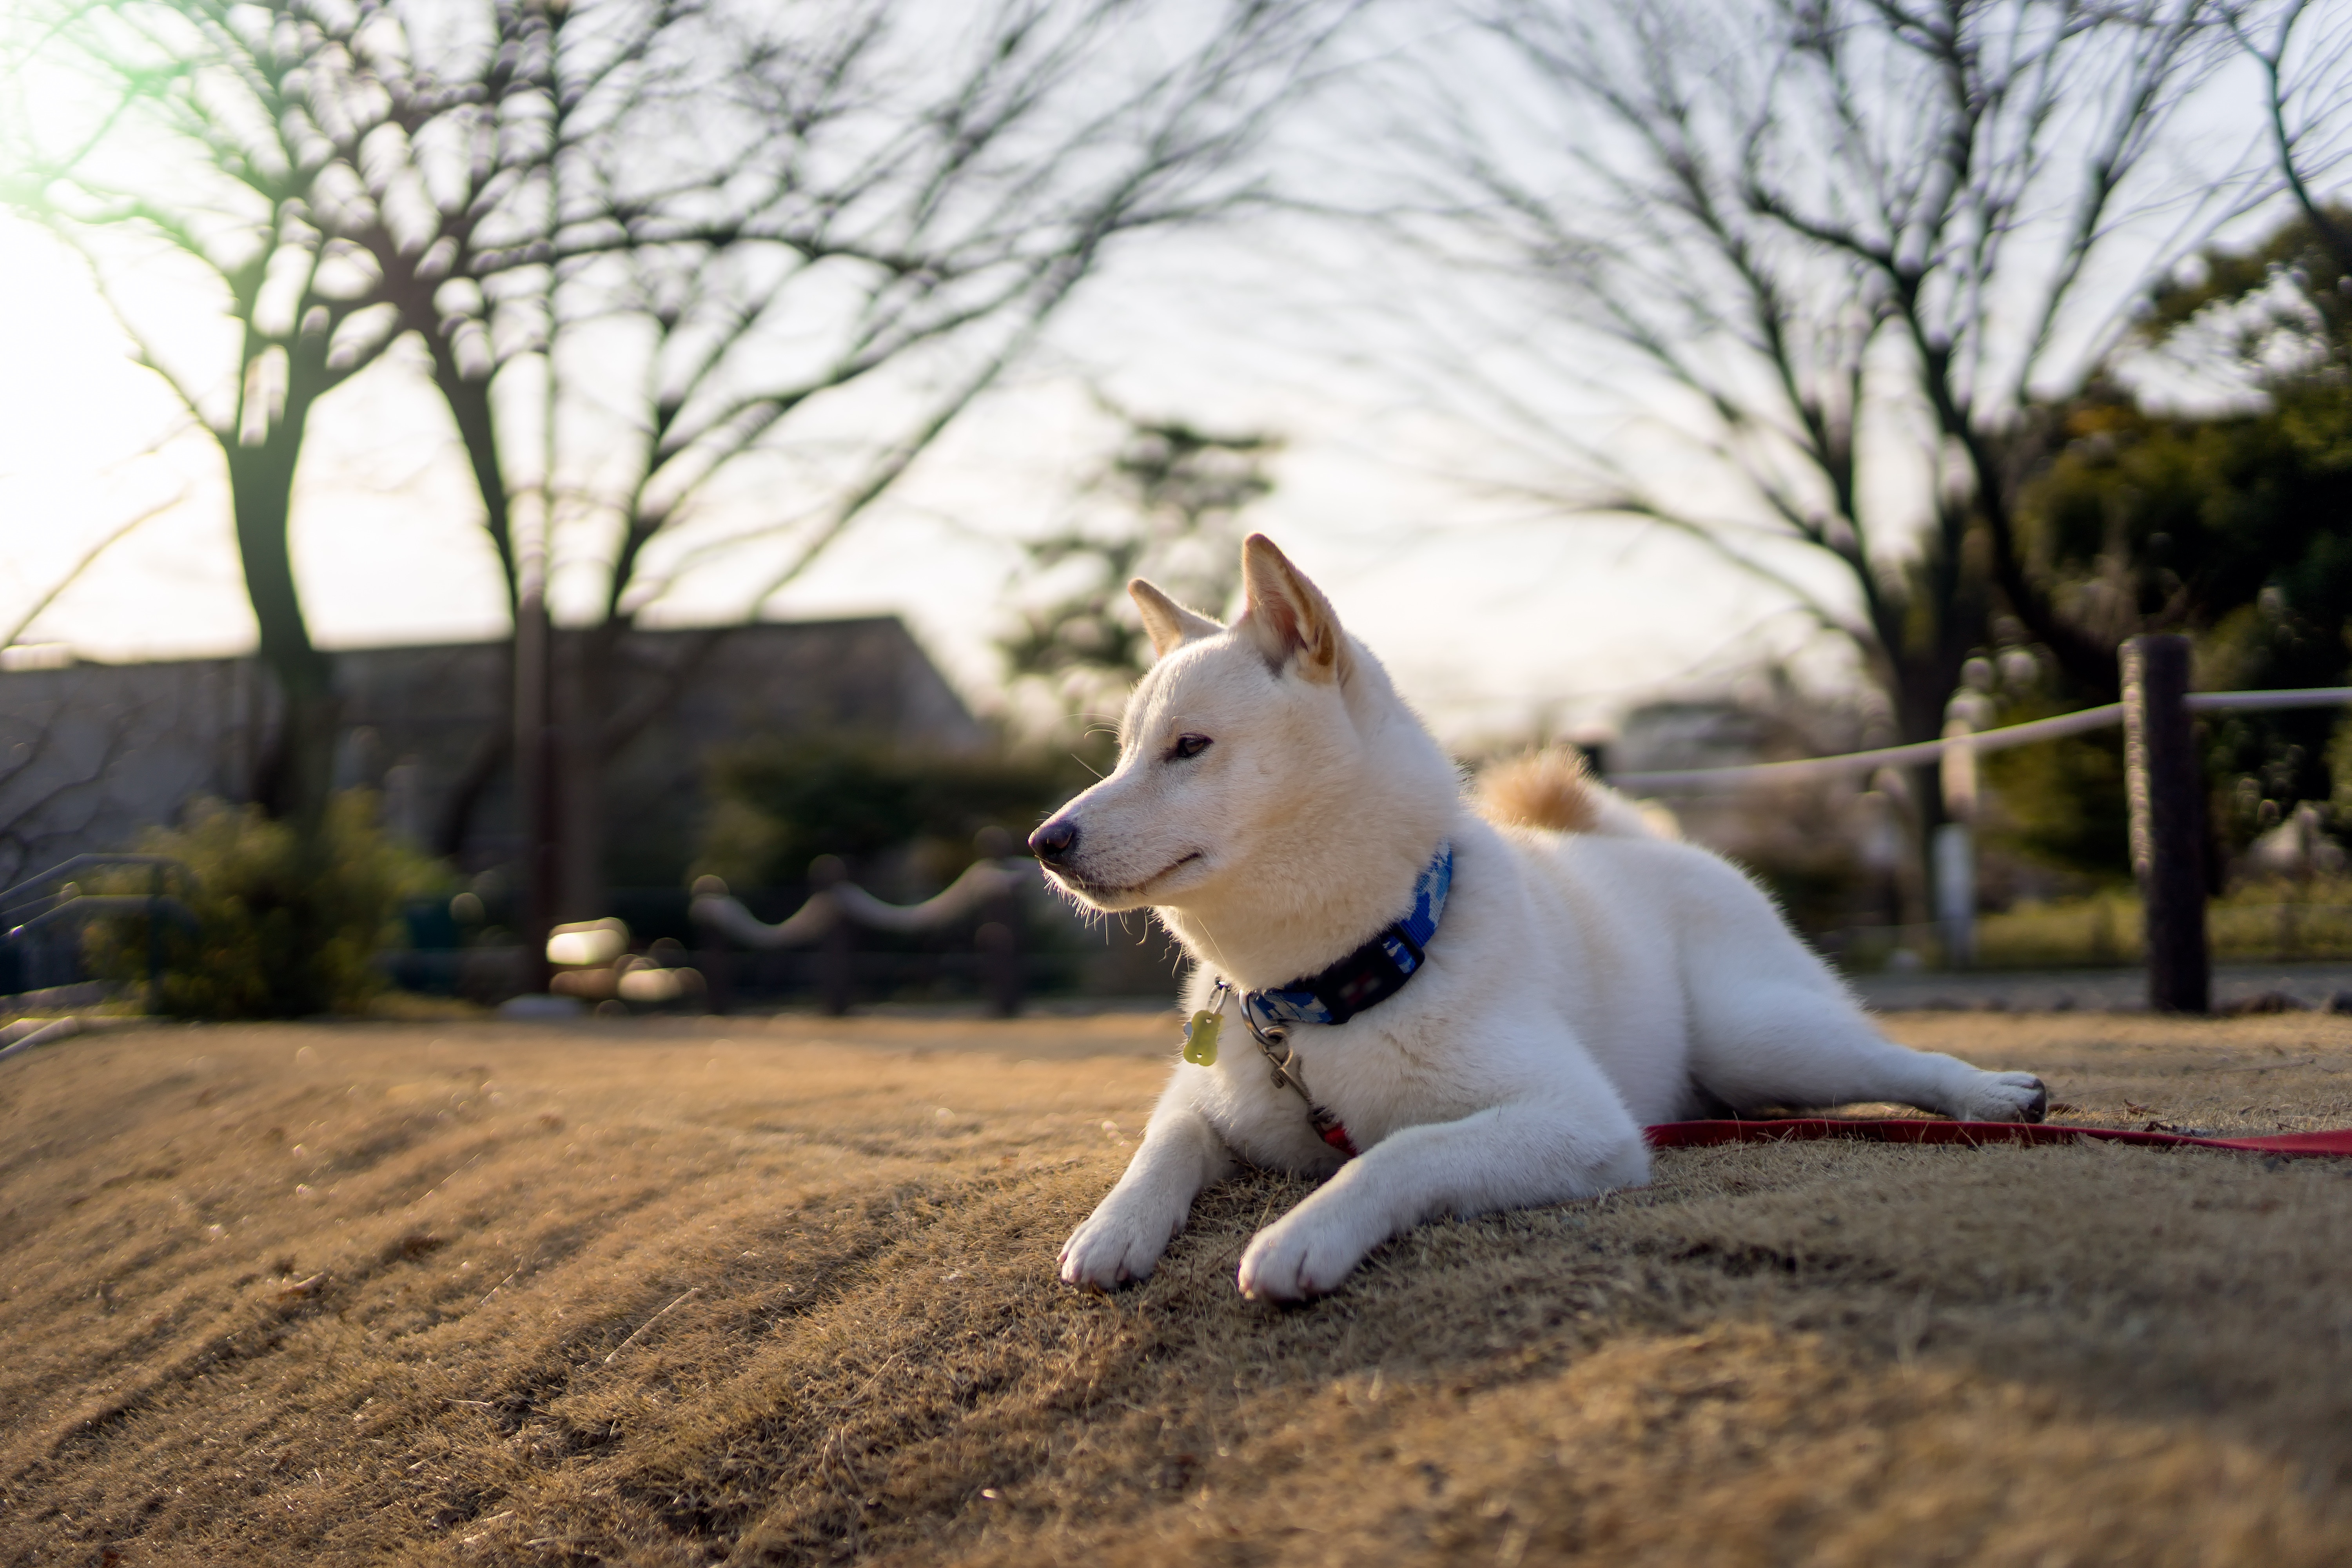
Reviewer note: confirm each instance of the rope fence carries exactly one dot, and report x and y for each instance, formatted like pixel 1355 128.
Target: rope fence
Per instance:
pixel 2162 787
pixel 981 881
pixel 839 906
pixel 1922 753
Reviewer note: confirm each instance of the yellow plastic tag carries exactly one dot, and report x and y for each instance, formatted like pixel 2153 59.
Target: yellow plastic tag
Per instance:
pixel 1200 1039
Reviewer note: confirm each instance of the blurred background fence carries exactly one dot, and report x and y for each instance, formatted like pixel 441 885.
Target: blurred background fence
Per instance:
pixel 2170 922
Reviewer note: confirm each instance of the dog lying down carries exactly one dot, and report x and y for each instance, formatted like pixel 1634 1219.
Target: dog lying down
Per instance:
pixel 1445 1007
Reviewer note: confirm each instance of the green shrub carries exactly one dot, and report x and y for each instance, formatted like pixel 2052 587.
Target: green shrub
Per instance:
pixel 279 933
pixel 777 804
pixel 2061 803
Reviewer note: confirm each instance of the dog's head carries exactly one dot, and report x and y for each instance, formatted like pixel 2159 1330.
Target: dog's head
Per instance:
pixel 1238 740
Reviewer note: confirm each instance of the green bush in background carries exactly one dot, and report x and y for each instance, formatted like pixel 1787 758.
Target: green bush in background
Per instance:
pixel 2061 803
pixel 778 804
pixel 280 933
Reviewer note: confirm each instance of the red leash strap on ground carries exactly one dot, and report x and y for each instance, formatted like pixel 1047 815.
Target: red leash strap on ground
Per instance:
pixel 1972 1134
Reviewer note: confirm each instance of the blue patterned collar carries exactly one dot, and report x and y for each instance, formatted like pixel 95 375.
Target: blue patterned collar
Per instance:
pixel 1368 976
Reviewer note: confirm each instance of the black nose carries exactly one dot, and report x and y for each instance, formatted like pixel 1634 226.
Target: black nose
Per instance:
pixel 1054 841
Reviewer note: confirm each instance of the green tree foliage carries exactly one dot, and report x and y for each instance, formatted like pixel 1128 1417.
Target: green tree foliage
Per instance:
pixel 2339 771
pixel 280 932
pixel 780 805
pixel 2232 529
pixel 2062 802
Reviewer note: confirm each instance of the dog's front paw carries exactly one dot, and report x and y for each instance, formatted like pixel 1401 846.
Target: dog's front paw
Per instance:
pixel 2003 1097
pixel 1297 1258
pixel 1118 1244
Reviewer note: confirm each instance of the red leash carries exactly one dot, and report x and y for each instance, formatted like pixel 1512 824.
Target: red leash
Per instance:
pixel 1972 1134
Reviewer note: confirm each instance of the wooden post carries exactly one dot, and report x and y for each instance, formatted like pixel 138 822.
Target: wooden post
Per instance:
pixel 838 955
pixel 535 770
pixel 718 967
pixel 2161 784
pixel 717 964
pixel 155 939
pixel 1954 888
pixel 1955 893
pixel 998 943
pixel 998 940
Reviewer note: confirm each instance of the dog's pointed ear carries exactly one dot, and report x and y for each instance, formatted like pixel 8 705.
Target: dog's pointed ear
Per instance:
pixel 1169 624
pixel 1288 617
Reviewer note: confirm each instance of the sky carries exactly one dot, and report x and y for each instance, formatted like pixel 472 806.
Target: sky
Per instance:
pixel 1500 618
pixel 1496 621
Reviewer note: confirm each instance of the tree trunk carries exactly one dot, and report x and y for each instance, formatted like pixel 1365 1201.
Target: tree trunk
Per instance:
pixel 538 783
pixel 469 402
pixel 297 778
pixel 584 696
pixel 456 823
pixel 468 399
pixel 298 775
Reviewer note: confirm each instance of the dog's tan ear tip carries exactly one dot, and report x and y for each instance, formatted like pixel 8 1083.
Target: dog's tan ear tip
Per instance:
pixel 1258 545
pixel 1169 624
pixel 1154 602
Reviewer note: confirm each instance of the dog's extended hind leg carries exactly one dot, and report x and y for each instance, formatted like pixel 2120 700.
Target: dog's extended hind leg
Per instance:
pixel 1508 1156
pixel 1792 1044
pixel 1123 1238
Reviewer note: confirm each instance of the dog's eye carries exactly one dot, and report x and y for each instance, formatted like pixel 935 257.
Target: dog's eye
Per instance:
pixel 1187 746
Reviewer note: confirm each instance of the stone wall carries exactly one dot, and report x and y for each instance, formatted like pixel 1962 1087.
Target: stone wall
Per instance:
pixel 93 753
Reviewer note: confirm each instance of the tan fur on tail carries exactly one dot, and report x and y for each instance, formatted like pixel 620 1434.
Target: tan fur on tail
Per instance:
pixel 1551 788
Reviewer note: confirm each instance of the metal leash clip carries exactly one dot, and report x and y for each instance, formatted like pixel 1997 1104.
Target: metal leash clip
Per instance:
pixel 1275 1043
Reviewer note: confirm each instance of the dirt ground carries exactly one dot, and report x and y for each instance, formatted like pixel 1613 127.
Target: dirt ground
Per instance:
pixel 783 1291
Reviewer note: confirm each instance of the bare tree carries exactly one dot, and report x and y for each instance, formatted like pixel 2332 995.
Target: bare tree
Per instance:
pixel 482 108
pixel 212 136
pixel 233 138
pixel 1843 251
pixel 12 632
pixel 2304 57
pixel 781 254
pixel 55 768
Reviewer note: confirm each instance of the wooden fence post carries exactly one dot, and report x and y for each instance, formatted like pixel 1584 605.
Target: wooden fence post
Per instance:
pixel 2161 784
pixel 717 964
pixel 837 958
pixel 998 940
pixel 998 943
pixel 718 967
pixel 155 939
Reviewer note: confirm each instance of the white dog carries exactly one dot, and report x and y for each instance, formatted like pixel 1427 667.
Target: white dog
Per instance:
pixel 1442 1013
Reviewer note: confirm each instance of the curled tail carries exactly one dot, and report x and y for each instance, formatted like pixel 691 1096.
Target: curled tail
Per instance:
pixel 1553 789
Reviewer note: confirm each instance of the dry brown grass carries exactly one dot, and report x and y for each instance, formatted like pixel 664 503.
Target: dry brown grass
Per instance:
pixel 754 1292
